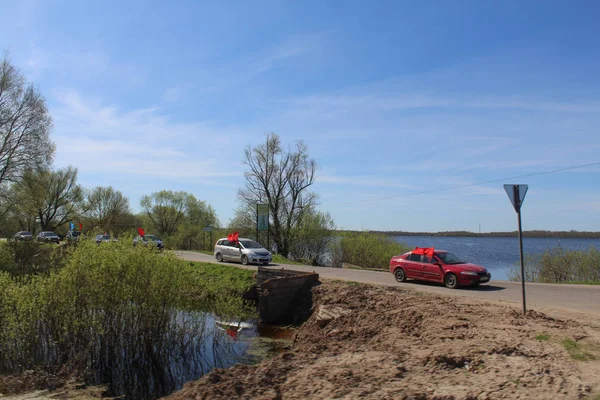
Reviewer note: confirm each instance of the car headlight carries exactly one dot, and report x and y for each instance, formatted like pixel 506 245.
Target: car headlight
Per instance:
pixel 469 273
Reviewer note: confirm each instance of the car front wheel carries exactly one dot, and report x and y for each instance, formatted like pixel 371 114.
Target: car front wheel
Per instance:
pixel 451 281
pixel 219 257
pixel 400 275
pixel 245 259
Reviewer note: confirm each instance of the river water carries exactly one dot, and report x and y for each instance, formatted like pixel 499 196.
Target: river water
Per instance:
pixel 497 254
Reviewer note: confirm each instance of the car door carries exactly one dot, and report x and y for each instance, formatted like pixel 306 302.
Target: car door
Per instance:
pixel 413 266
pixel 224 249
pixel 431 272
pixel 236 252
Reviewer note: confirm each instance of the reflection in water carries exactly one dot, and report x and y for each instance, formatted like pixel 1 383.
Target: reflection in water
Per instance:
pixel 193 344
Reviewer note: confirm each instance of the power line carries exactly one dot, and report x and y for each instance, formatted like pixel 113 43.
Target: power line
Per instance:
pixel 474 184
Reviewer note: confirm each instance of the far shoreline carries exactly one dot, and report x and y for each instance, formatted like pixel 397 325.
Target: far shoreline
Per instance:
pixel 526 234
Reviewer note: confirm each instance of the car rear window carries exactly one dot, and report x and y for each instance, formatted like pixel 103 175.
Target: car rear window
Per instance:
pixel 414 257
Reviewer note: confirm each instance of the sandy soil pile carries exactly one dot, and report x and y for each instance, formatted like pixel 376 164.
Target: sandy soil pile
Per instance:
pixel 390 343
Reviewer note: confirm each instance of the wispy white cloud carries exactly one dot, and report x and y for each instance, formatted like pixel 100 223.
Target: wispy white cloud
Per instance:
pixel 288 49
pixel 128 157
pixel 35 61
pixel 99 138
pixel 394 101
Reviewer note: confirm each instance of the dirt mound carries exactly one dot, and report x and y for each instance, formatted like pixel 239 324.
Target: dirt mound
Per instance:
pixel 386 343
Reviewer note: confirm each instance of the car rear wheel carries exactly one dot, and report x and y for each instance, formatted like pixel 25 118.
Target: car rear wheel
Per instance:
pixel 451 281
pixel 400 275
pixel 219 257
pixel 245 259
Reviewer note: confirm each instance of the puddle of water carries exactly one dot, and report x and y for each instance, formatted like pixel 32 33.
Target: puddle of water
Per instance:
pixel 206 343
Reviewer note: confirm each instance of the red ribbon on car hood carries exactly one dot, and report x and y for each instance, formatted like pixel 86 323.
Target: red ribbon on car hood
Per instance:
pixel 428 251
pixel 141 232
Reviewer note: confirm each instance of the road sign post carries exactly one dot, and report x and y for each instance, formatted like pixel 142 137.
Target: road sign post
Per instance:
pixel 208 229
pixel 516 194
pixel 262 221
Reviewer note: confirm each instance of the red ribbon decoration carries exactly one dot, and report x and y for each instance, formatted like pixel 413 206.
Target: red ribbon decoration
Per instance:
pixel 141 232
pixel 233 237
pixel 428 251
pixel 80 226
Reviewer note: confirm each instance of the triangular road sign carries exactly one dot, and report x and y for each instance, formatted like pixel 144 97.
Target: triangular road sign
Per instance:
pixel 516 194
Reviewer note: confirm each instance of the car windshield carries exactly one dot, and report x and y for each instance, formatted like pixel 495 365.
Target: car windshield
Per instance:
pixel 75 233
pixel 50 234
pixel 250 244
pixel 151 238
pixel 449 258
pixel 105 237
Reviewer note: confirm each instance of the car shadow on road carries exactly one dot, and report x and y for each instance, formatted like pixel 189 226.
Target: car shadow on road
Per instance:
pixel 481 288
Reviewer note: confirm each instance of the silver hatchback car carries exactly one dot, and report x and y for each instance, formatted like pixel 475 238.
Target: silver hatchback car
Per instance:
pixel 245 251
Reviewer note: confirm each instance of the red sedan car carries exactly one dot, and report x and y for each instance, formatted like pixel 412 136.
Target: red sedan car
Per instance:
pixel 437 266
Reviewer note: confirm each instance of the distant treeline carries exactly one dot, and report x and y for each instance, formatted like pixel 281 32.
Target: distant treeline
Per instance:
pixel 529 234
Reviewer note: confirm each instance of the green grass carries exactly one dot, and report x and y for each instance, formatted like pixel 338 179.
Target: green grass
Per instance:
pixel 542 336
pixel 279 259
pixel 581 282
pixel 576 351
pixel 236 279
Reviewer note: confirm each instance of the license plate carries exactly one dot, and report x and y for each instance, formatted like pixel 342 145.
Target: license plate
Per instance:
pixel 484 279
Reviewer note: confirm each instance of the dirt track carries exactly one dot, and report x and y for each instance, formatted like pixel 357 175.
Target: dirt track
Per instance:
pixel 391 343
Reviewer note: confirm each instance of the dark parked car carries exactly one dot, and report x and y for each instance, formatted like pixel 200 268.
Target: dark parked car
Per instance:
pixel 438 266
pixel 73 236
pixel 149 239
pixel 23 235
pixel 48 237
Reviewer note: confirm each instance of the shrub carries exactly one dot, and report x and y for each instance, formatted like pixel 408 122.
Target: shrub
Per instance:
pixel 561 266
pixel 114 312
pixel 366 250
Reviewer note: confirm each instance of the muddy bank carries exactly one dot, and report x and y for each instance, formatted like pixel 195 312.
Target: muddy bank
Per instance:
pixel 386 343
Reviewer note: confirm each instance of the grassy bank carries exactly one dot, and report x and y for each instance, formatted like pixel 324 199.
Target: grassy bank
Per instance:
pixel 557 265
pixel 113 314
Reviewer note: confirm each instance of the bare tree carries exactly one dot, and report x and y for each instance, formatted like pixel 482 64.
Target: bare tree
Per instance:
pixel 54 197
pixel 105 207
pixel 280 179
pixel 25 125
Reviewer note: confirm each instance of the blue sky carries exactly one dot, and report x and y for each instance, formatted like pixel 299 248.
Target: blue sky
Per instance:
pixel 392 98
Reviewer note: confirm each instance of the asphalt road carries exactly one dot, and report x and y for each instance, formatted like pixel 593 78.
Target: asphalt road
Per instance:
pixel 575 301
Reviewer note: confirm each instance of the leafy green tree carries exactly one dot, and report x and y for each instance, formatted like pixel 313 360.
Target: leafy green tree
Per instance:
pixel 106 208
pixel 312 237
pixel 166 210
pixel 170 212
pixel 53 197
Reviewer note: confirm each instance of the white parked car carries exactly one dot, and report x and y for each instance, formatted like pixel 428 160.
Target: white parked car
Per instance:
pixel 245 251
